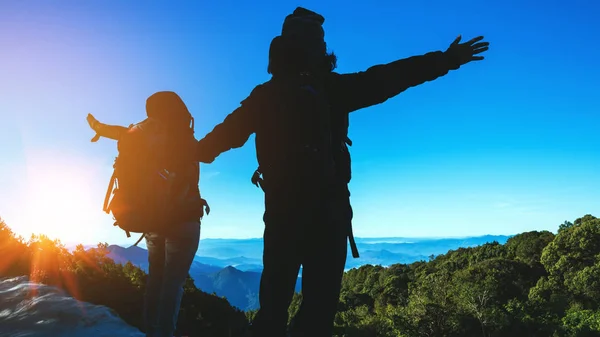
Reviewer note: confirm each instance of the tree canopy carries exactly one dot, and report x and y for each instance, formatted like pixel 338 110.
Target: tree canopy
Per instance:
pixel 538 284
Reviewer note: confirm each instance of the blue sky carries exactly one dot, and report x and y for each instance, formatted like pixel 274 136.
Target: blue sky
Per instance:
pixel 501 146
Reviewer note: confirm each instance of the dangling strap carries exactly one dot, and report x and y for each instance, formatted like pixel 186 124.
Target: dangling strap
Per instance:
pixel 351 234
pixel 353 247
pixel 140 239
pixel 126 232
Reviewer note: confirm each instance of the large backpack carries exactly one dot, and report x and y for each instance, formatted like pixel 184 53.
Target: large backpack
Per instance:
pixel 293 138
pixel 298 120
pixel 142 188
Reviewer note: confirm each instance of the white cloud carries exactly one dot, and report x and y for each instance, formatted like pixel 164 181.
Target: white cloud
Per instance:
pixel 208 175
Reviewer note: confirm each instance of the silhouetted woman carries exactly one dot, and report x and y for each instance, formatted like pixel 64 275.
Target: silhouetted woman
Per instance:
pixel 172 250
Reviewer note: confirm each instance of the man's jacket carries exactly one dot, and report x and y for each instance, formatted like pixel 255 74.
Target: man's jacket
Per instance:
pixel 345 93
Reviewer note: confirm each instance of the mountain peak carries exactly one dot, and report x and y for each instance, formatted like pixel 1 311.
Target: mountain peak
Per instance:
pixel 230 269
pixel 135 249
pixel 116 248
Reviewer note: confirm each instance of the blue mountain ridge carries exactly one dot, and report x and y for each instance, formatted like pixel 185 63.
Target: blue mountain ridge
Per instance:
pixel 232 267
pixel 238 286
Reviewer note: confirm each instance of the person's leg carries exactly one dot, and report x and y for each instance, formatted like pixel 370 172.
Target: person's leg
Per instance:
pixel 281 264
pixel 156 260
pixel 324 260
pixel 180 249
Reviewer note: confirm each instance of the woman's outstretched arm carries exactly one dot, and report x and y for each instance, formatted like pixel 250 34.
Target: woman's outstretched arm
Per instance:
pixel 105 130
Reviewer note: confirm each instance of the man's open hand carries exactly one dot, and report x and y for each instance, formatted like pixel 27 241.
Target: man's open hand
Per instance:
pixel 462 53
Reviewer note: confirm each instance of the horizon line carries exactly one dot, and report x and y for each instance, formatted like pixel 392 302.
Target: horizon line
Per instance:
pixel 356 238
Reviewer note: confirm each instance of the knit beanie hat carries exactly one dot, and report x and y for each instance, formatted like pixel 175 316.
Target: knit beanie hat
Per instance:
pixel 304 24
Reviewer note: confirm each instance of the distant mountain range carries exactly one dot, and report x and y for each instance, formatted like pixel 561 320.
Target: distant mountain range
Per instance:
pixel 232 267
pixel 238 286
pixel 247 254
pixel 139 257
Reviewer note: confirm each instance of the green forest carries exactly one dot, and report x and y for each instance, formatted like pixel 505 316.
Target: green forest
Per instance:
pixel 537 284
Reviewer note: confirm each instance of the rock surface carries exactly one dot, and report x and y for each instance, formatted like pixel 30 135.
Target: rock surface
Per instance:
pixel 34 310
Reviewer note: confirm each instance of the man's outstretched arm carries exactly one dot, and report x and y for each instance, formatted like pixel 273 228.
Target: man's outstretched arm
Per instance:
pixel 105 130
pixel 377 84
pixel 232 133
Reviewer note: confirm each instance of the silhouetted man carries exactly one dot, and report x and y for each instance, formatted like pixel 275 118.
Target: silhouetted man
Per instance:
pixel 300 118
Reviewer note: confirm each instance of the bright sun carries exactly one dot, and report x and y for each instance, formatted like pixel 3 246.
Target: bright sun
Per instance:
pixel 60 198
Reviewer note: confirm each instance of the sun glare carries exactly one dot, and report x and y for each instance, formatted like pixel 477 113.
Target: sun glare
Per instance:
pixel 60 198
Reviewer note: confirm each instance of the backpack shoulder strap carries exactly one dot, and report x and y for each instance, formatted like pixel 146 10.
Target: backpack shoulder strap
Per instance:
pixel 109 191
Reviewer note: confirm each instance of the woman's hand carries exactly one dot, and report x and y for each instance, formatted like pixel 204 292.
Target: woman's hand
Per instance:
pixel 94 124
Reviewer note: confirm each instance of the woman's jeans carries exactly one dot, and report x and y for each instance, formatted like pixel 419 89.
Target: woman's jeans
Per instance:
pixel 170 257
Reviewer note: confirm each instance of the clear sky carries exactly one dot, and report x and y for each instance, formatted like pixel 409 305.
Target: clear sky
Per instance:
pixel 501 146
